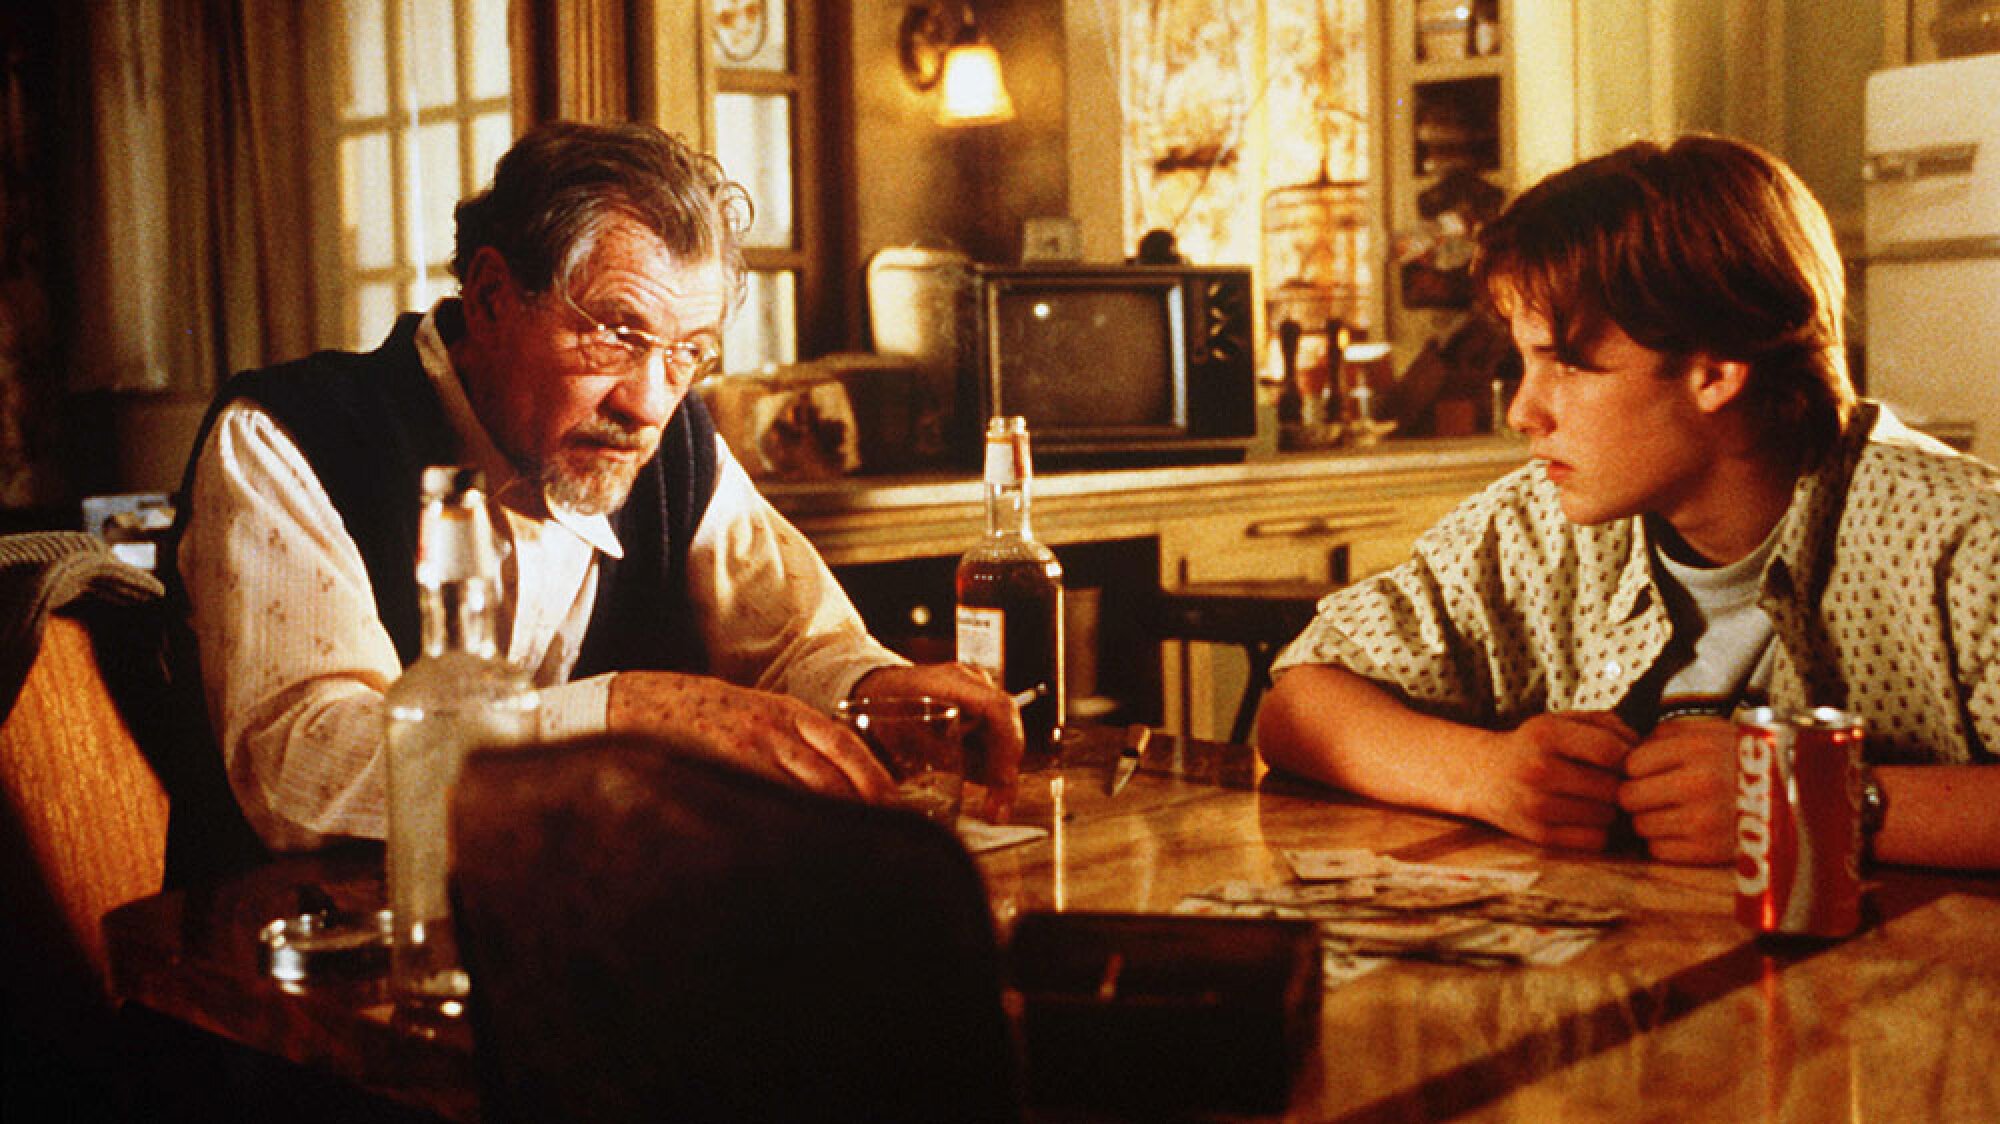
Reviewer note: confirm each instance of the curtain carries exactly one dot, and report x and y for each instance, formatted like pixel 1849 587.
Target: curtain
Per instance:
pixel 194 226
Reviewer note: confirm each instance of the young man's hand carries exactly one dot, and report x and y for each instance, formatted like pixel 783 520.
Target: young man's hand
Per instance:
pixel 1554 779
pixel 1681 790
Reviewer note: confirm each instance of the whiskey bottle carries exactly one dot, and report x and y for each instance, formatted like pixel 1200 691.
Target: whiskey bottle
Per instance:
pixel 1010 597
pixel 459 695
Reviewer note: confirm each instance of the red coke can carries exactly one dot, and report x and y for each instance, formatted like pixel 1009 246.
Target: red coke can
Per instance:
pixel 1798 821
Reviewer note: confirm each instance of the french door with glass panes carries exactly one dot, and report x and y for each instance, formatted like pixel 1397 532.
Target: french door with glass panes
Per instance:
pixel 764 133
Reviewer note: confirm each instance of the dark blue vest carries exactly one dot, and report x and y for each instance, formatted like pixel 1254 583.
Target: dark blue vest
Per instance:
pixel 369 424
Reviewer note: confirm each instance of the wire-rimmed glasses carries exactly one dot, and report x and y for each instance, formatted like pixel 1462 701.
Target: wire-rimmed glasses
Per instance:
pixel 621 348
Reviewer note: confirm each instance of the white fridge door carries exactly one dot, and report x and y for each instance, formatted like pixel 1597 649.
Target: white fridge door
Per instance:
pixel 1933 224
pixel 1934 344
pixel 1932 170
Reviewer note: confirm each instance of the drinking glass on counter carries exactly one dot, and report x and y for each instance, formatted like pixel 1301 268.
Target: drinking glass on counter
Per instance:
pixel 920 740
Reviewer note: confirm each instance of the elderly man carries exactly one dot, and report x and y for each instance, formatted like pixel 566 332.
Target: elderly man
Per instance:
pixel 1711 518
pixel 652 588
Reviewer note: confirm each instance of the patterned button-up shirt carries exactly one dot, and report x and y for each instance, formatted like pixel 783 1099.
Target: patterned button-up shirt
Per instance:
pixel 1883 592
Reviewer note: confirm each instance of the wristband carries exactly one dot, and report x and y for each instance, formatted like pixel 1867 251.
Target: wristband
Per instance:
pixel 1874 804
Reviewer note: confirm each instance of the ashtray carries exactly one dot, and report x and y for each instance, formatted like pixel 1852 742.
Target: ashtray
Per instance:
pixel 305 946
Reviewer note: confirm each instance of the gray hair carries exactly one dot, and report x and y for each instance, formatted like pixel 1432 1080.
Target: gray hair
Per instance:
pixel 562 183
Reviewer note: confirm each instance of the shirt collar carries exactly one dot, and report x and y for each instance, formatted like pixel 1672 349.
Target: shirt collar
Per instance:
pixel 513 490
pixel 1804 554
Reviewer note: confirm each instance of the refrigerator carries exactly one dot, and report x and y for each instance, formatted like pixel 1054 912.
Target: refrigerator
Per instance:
pixel 1931 187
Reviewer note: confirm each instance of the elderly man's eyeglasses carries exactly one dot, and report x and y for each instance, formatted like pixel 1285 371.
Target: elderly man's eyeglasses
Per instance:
pixel 620 348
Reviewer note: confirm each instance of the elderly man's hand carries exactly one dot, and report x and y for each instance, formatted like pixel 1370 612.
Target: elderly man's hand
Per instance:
pixel 994 738
pixel 1681 790
pixel 773 734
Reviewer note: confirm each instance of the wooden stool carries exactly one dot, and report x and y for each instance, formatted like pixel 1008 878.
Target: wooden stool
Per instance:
pixel 1259 616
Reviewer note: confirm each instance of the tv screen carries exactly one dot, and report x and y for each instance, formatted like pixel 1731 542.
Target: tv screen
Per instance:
pixel 1101 357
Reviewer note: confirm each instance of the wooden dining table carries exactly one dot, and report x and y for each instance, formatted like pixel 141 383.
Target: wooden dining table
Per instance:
pixel 1678 1012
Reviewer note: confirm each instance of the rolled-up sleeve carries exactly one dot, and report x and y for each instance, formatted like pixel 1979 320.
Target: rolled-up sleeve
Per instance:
pixel 294 657
pixel 294 660
pixel 1395 629
pixel 770 610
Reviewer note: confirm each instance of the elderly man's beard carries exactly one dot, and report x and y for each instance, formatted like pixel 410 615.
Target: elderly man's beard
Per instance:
pixel 579 480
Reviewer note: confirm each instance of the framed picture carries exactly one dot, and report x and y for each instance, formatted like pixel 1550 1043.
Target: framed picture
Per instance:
pixel 1050 238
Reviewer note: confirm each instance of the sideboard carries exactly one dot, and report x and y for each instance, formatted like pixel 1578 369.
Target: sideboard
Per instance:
pixel 1124 533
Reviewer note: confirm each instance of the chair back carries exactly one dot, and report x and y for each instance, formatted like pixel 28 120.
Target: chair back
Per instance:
pixel 656 936
pixel 83 826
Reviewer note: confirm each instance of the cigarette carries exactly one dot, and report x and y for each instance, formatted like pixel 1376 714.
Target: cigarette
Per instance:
pixel 1023 698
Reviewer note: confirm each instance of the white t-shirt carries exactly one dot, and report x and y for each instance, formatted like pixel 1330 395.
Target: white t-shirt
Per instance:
pixel 1720 654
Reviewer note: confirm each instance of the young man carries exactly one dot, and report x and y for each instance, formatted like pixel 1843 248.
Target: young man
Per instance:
pixel 652 588
pixel 1711 518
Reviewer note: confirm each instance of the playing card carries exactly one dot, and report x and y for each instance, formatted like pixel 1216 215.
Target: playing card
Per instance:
pixel 1396 936
pixel 1329 865
pixel 1417 897
pixel 1432 874
pixel 1544 909
pixel 1514 944
pixel 1338 965
pixel 1317 893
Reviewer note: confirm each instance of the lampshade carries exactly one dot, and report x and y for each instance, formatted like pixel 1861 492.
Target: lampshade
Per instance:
pixel 973 92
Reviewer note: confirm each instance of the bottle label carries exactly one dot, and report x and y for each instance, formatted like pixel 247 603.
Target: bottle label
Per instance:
pixel 982 640
pixel 1006 463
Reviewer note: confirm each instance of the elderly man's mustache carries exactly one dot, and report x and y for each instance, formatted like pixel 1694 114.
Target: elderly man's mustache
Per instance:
pixel 617 435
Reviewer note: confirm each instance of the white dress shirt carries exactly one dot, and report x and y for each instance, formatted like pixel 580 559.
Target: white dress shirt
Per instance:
pixel 295 659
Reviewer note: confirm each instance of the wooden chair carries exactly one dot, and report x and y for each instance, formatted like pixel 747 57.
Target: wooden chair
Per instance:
pixel 85 816
pixel 1261 617
pixel 656 936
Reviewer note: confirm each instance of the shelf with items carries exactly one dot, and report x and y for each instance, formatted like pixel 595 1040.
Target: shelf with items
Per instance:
pixel 1456 124
pixel 1480 100
pixel 1427 72
pixel 1455 30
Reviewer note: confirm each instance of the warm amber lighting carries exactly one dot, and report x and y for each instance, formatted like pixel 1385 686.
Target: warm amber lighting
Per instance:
pixel 940 46
pixel 973 93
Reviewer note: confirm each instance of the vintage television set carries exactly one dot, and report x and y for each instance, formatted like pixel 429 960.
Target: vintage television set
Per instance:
pixel 1110 364
pixel 1117 362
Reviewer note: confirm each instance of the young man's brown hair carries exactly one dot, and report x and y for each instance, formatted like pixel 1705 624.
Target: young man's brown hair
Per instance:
pixel 1707 246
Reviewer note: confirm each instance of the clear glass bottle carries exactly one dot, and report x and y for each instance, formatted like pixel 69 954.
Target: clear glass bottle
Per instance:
pixel 458 695
pixel 1010 596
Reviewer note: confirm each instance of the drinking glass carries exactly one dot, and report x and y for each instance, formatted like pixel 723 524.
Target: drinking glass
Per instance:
pixel 919 739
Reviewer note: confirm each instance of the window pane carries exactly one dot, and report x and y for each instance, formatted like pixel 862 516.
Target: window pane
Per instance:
pixel 750 34
pixel 762 332
pixel 437 187
pixel 376 308
pixel 753 139
pixel 489 49
pixel 437 283
pixel 433 47
pixel 491 134
pixel 367 86
pixel 367 203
